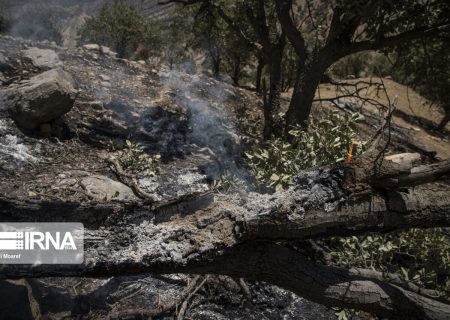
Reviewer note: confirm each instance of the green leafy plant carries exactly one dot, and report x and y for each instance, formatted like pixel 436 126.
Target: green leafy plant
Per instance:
pixel 134 159
pixel 420 256
pixel 327 140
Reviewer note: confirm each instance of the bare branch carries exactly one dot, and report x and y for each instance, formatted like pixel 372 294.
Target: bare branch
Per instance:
pixel 382 41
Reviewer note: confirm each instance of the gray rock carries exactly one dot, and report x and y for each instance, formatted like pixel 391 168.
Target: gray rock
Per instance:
pixel 92 47
pixel 42 99
pixel 107 51
pixel 104 188
pixel 105 77
pixel 42 58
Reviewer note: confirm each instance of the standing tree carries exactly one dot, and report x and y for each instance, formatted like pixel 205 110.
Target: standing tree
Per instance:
pixel 322 32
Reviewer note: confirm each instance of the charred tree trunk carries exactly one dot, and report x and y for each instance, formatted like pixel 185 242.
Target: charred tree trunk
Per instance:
pixel 259 69
pixel 236 70
pixel 242 236
pixel 272 106
pixel 216 60
pixel 308 79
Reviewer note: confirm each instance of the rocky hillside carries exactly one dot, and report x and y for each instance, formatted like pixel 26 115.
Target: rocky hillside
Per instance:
pixel 30 19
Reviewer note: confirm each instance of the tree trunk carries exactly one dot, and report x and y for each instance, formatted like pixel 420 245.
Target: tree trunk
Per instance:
pixel 308 79
pixel 242 237
pixel 216 61
pixel 259 70
pixel 273 104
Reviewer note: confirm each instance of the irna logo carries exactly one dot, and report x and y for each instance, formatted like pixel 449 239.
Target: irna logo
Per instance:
pixel 31 240
pixel 41 243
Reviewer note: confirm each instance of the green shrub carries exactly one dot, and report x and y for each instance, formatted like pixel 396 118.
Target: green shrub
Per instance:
pixel 327 140
pixel 135 160
pixel 123 29
pixel 420 256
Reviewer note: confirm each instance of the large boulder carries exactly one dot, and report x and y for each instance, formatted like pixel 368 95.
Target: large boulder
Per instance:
pixel 42 58
pixel 42 99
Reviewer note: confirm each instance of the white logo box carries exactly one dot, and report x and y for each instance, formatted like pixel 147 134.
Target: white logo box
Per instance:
pixel 41 243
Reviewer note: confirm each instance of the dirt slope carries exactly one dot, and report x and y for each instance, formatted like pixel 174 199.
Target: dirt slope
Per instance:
pixel 415 117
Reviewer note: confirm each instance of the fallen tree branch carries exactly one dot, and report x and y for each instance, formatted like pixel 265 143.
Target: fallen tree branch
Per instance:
pixel 416 176
pixel 328 285
pixel 220 235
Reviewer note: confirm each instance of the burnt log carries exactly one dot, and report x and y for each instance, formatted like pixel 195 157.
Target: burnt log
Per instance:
pixel 244 235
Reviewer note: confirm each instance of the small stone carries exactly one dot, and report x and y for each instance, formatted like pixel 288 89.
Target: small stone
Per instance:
pixel 92 47
pixel 105 77
pixel 107 51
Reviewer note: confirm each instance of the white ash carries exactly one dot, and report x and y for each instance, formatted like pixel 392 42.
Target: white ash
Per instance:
pixel 11 147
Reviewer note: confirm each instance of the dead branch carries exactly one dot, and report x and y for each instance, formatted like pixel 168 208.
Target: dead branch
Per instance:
pixel 235 235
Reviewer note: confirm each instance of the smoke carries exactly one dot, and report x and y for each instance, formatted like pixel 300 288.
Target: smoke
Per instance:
pixel 212 130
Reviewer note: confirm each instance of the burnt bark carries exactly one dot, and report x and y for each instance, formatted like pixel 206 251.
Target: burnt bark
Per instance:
pixel 259 69
pixel 241 235
pixel 236 70
pixel 275 58
pixel 308 79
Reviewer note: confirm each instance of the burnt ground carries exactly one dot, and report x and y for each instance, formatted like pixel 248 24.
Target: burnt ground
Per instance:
pixel 199 127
